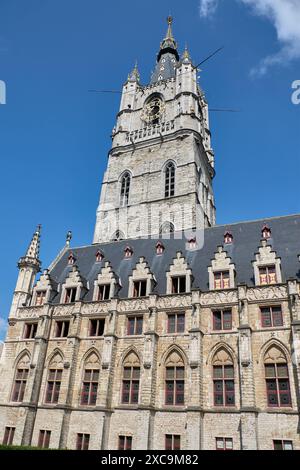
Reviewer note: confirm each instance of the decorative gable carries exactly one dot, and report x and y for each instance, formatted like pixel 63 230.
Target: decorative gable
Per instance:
pixel 106 277
pixel 141 272
pixel 46 286
pixel 73 281
pixel 179 269
pixel 267 266
pixel 222 271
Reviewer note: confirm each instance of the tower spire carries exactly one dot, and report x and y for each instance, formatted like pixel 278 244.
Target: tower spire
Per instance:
pixel 168 56
pixel 134 76
pixel 31 257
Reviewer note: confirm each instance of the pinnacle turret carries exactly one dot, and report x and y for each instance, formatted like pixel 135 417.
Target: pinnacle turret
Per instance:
pixel 31 257
pixel 134 76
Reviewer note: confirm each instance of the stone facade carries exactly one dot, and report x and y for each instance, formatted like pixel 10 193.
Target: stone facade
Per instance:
pixel 76 320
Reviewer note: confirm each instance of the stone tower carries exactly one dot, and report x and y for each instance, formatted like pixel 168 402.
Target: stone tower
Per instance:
pixel 161 165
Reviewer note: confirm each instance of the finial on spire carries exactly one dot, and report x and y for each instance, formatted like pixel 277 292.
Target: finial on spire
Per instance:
pixel 134 76
pixel 31 257
pixel 68 237
pixel 169 32
pixel 186 55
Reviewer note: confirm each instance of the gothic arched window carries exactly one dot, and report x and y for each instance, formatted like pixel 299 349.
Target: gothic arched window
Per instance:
pixel 90 380
pixel 170 180
pixel 54 379
pixel 118 236
pixel 21 377
pixel 277 378
pixel 131 379
pixel 223 379
pixel 174 380
pixel 125 189
pixel 166 228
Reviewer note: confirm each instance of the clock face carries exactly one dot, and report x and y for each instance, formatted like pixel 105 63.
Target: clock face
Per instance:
pixel 153 110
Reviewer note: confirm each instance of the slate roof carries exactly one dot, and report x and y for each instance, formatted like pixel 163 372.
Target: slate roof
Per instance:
pixel 246 240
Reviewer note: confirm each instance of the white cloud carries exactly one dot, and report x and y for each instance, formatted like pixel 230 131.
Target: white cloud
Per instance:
pixel 284 15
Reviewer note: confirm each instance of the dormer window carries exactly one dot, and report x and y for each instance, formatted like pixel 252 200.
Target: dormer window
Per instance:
pixel 99 256
pixel 266 232
pixel 267 275
pixel 160 248
pixel 70 296
pixel 221 280
pixel 71 259
pixel 40 297
pixel 192 243
pixel 228 238
pixel 178 285
pixel 128 252
pixel 104 291
pixel 140 288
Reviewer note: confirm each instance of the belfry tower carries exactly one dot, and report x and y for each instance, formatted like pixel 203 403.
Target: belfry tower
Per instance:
pixel 161 165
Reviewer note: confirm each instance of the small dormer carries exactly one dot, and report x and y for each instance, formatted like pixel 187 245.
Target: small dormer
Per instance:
pixel 266 232
pixel 222 271
pixel 44 289
pixel 128 252
pixel 71 259
pixel 160 248
pixel 228 238
pixel 99 256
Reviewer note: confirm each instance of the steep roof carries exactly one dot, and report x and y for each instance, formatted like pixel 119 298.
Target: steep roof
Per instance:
pixel 246 240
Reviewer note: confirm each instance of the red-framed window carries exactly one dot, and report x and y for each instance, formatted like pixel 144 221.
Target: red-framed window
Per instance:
pixel 130 385
pixel 103 292
pixel 176 322
pixel 278 385
pixel 20 385
pixel 134 325
pixel 178 285
pixel 90 387
pixel 96 327
pixel 30 330
pixel 53 385
pixel 174 386
pixel 221 280
pixel 172 442
pixel 140 288
pixel 70 295
pixel 125 442
pixel 224 443
pixel 267 275
pixel 282 444
pixel 61 329
pixel 44 439
pixel 223 377
pixel 8 436
pixel 222 320
pixel 40 297
pixel 271 316
pixel 83 441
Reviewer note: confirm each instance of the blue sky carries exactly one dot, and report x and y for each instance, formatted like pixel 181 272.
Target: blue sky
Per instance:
pixel 54 135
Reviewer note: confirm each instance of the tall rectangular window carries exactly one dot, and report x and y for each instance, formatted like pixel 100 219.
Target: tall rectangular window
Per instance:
pixel 96 327
pixel 40 297
pixel 103 292
pixel 30 330
pixel 278 385
pixel 174 386
pixel 130 385
pixel 70 295
pixel 125 442
pixel 8 436
pixel 53 385
pixel 140 288
pixel 267 275
pixel 176 323
pixel 224 443
pixel 20 385
pixel 61 329
pixel 271 316
pixel 222 320
pixel 172 442
pixel 83 441
pixel 44 439
pixel 134 326
pixel 282 445
pixel 221 280
pixel 223 385
pixel 179 285
pixel 90 387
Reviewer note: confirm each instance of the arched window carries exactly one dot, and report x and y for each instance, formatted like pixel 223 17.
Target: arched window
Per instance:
pixel 125 189
pixel 131 379
pixel 277 378
pixel 166 229
pixel 20 380
pixel 170 180
pixel 174 380
pixel 54 379
pixel 223 379
pixel 118 236
pixel 90 380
